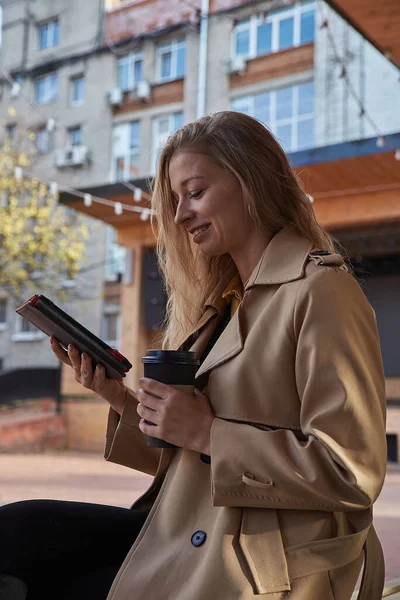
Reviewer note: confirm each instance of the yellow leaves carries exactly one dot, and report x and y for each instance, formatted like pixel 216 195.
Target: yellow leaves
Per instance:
pixel 23 160
pixel 35 233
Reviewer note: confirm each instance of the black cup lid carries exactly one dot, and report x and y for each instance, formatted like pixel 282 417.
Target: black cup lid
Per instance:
pixel 170 356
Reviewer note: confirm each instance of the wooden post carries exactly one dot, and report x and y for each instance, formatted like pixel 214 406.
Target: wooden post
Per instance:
pixel 134 339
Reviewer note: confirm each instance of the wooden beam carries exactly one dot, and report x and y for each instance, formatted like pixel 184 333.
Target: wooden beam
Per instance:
pixel 355 210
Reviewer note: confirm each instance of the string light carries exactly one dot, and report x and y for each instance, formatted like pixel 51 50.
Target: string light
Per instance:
pixel 87 199
pixel 397 154
pixel 145 215
pixel 380 142
pixel 137 195
pixel 54 188
pixel 50 124
pixel 311 199
pixel 118 208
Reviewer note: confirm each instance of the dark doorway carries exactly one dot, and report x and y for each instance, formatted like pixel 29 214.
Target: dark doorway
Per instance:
pixel 392 447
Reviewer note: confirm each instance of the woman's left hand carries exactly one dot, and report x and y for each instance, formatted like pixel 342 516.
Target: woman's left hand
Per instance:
pixel 178 418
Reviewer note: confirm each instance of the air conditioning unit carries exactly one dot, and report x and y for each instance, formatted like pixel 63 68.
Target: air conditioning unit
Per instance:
pixel 143 90
pixel 115 97
pixel 236 64
pixel 73 156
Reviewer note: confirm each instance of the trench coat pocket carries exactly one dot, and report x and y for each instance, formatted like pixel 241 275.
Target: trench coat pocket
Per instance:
pixel 260 541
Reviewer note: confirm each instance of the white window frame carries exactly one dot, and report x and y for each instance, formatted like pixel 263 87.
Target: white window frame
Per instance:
pixel 26 336
pixel 122 149
pixel 4 324
pixel 130 59
pixel 50 89
pixel 274 18
pixel 73 81
pixel 249 103
pixel 112 310
pixel 170 47
pixel 51 42
pixel 157 138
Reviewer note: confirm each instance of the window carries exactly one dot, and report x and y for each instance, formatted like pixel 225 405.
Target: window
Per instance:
pixel 3 314
pixel 25 331
pixel 278 30
pixel 288 112
pixel 49 34
pixel 43 140
pixel 75 136
pixel 115 257
pixel 77 90
pixel 11 131
pixel 171 60
pixel 163 127
pixel 126 151
pixel 46 88
pixel 130 71
pixel 111 325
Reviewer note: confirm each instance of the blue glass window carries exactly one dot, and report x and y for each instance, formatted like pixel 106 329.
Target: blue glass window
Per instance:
pixel 242 45
pixel 306 98
pixel 166 62
pixel 307 27
pixel 181 59
pixel 262 107
pixel 123 76
pixel 134 137
pixel 264 38
pixel 286 33
pixel 305 134
pixel 138 71
pixel 284 136
pixel 178 120
pixel 284 103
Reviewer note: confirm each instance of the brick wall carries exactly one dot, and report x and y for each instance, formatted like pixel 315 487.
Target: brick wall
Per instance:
pixel 33 427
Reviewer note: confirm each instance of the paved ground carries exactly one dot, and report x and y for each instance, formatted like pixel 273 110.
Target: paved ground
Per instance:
pixel 88 478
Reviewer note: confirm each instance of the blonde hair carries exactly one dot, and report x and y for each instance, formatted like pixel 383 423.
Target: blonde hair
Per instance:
pixel 248 151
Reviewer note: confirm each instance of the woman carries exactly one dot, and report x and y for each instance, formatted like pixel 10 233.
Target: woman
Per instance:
pixel 282 452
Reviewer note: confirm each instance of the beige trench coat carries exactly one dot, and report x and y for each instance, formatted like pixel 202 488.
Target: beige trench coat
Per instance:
pixel 298 449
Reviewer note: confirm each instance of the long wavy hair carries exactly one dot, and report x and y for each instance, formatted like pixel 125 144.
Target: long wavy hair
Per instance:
pixel 248 151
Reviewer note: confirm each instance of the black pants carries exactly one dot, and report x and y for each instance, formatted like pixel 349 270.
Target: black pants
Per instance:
pixel 66 550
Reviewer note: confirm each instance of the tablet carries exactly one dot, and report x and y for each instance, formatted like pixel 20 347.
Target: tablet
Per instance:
pixel 49 318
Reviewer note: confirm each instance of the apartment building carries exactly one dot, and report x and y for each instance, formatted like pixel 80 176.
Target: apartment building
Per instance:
pixel 50 49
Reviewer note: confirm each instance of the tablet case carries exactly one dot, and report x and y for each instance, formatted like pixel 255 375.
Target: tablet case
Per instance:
pixel 49 318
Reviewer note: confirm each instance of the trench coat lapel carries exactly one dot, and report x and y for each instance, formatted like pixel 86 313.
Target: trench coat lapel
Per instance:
pixel 228 345
pixel 283 260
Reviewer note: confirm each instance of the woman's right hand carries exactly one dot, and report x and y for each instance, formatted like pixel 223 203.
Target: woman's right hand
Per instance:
pixel 112 390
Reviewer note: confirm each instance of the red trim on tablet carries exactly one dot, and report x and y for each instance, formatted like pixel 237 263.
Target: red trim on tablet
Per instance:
pixel 33 301
pixel 118 356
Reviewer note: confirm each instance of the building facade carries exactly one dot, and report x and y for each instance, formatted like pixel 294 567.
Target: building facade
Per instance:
pixel 57 92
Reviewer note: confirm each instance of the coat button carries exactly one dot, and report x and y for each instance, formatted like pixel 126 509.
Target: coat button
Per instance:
pixel 198 538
